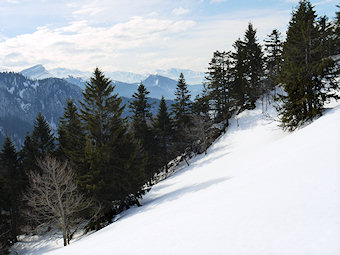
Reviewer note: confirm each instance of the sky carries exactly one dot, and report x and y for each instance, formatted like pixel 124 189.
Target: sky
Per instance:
pixel 134 35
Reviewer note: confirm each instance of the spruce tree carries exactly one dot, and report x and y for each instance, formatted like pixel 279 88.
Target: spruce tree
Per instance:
pixel 239 76
pixel 72 139
pixel 307 76
pixel 115 176
pixel 141 120
pixel 181 110
pixel 254 65
pixel 37 145
pixel 140 109
pixel 273 59
pixel 42 137
pixel 247 71
pixel 219 86
pixel 13 174
pixel 163 127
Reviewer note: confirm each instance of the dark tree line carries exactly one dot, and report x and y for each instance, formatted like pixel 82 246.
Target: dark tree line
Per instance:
pixel 109 162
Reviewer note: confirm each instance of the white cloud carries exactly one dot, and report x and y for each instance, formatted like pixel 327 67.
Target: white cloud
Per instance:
pixel 217 1
pixel 180 11
pixel 13 1
pixel 80 45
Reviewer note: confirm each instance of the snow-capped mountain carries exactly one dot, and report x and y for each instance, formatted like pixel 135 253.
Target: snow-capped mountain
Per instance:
pixel 127 77
pixel 22 98
pixel 65 73
pixel 37 72
pixel 126 82
pixel 191 77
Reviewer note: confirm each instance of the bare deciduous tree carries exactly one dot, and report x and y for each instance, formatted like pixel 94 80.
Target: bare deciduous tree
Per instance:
pixel 53 198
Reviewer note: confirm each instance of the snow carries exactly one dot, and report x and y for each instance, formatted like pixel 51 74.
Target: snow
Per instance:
pixel 258 191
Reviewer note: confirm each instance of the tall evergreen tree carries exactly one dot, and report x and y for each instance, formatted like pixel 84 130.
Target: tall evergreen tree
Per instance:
pixel 181 110
pixel 305 70
pixel 42 136
pixel 140 109
pixel 239 76
pixel 247 70
pixel 254 65
pixel 273 59
pixel 115 176
pixel 37 145
pixel 72 139
pixel 141 121
pixel 219 86
pixel 13 174
pixel 163 127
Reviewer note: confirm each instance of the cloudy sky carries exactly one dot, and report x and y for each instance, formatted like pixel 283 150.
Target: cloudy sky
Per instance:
pixel 133 35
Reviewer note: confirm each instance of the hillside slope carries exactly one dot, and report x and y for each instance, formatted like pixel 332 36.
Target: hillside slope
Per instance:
pixel 258 191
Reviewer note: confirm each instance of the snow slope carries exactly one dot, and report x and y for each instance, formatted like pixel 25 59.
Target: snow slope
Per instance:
pixel 258 191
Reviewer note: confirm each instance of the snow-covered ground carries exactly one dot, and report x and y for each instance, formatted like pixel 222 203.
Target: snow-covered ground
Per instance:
pixel 258 191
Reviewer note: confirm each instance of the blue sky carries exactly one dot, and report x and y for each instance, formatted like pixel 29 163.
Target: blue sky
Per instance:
pixel 133 35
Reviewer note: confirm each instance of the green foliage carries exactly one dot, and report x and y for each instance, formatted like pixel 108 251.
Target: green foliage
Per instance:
pixel 219 87
pixel 164 131
pixel 273 59
pixel 72 139
pixel 12 180
pixel 38 144
pixel 307 74
pixel 181 110
pixel 115 175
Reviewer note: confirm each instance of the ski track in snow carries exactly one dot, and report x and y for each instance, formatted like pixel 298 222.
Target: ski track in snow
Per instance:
pixel 258 191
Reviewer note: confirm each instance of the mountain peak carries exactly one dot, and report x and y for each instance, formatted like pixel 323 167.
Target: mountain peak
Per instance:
pixel 36 72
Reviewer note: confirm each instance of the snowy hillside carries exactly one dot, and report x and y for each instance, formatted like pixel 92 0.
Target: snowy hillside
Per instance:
pixel 258 191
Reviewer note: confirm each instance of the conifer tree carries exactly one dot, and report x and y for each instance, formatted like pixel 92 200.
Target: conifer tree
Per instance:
pixel 13 174
pixel 37 145
pixel 219 86
pixel 254 65
pixel 115 176
pixel 273 59
pixel 181 110
pixel 239 76
pixel 141 120
pixel 72 139
pixel 42 136
pixel 247 71
pixel 163 127
pixel 140 109
pixel 305 71
pixel 201 104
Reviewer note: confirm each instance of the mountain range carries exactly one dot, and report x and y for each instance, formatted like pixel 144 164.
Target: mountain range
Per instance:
pixel 22 98
pixel 163 83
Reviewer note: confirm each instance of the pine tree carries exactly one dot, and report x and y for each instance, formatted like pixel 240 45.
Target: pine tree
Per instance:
pixel 72 139
pixel 115 176
pixel 219 86
pixel 305 70
pixel 140 109
pixel 273 59
pixel 141 121
pixel 181 110
pixel 247 70
pixel 13 174
pixel 163 127
pixel 42 137
pixel 37 145
pixel 201 104
pixel 239 76
pixel 254 65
